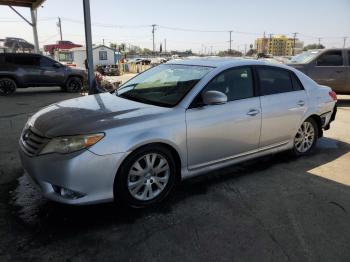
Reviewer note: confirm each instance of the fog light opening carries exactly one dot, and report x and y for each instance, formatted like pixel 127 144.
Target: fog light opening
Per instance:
pixel 67 193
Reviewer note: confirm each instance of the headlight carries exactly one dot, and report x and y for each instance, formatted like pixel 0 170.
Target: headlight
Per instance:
pixel 69 144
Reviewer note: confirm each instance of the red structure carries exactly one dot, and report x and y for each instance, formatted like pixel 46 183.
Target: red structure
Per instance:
pixel 60 45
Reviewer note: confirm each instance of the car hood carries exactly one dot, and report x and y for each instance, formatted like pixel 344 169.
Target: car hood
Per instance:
pixel 90 114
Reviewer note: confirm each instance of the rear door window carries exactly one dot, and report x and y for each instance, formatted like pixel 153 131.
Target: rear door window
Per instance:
pixel 330 58
pixel 274 80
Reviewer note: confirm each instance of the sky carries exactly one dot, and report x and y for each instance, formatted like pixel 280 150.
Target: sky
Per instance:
pixel 186 24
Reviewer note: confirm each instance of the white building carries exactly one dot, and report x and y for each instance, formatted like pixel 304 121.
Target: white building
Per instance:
pixel 102 55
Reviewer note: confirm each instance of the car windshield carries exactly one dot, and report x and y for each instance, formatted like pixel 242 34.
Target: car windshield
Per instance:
pixel 305 57
pixel 163 85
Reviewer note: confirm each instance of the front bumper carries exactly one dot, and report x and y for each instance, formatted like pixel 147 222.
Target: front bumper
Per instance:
pixel 90 175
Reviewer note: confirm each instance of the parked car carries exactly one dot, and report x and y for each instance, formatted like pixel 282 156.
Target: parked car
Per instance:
pixel 108 70
pixel 172 122
pixel 142 61
pixel 15 43
pixel 18 70
pixel 112 70
pixel 329 67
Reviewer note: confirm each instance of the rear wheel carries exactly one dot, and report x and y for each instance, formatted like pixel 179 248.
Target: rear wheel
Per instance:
pixel 146 177
pixel 306 137
pixel 74 84
pixel 7 86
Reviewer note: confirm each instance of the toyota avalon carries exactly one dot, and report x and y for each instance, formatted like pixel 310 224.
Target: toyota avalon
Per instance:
pixel 172 122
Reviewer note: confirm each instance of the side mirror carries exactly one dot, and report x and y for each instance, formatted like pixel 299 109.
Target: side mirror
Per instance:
pixel 214 98
pixel 57 65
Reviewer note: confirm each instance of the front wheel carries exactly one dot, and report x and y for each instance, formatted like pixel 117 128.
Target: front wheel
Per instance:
pixel 74 84
pixel 146 177
pixel 306 137
pixel 7 86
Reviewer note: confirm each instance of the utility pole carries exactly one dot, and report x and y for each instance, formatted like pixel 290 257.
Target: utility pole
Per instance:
pixel 59 24
pixel 319 42
pixel 103 41
pixel 165 45
pixel 230 41
pixel 245 49
pixel 153 30
pixel 88 43
pixel 34 16
pixel 344 43
pixel 294 39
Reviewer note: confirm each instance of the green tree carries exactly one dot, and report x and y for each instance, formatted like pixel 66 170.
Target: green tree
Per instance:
pixel 314 46
pixel 251 52
pixel 230 53
pixel 113 45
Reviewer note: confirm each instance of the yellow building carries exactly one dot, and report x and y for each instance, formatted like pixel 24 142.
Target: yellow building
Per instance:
pixel 278 45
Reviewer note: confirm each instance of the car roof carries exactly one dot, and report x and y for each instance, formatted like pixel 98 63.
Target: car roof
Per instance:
pixel 225 62
pixel 19 54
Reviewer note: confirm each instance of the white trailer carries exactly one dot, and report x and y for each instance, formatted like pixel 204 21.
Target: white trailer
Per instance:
pixel 102 55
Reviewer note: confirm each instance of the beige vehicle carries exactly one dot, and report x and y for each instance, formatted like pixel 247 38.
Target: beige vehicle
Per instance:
pixel 330 67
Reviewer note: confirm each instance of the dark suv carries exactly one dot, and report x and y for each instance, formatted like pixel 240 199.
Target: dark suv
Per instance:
pixel 31 70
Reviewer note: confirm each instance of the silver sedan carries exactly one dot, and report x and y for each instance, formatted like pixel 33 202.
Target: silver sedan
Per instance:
pixel 172 122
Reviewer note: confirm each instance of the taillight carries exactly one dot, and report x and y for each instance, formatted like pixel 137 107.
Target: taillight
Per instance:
pixel 333 95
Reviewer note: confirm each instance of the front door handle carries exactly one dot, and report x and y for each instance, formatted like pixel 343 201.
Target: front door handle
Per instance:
pixel 301 103
pixel 253 112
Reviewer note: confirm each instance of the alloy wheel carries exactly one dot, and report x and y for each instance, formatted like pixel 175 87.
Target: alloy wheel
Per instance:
pixel 305 137
pixel 148 176
pixel 7 86
pixel 74 85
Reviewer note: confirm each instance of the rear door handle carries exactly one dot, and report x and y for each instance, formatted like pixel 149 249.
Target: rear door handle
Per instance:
pixel 253 112
pixel 301 103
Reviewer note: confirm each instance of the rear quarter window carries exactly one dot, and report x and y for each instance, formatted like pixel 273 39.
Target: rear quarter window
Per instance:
pixel 297 85
pixel 22 60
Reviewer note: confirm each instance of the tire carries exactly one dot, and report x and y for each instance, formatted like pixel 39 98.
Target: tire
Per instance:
pixel 133 183
pixel 306 138
pixel 7 86
pixel 73 85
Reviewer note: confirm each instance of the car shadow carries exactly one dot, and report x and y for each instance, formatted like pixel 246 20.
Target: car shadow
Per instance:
pixel 32 209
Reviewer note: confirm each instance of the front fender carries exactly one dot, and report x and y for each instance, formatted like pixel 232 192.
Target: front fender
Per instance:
pixel 170 131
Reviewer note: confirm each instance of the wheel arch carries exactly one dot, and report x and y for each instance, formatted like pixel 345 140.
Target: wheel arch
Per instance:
pixel 14 78
pixel 168 146
pixel 318 121
pixel 74 75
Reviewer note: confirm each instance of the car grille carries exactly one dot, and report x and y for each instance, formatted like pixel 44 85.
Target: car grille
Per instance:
pixel 32 143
